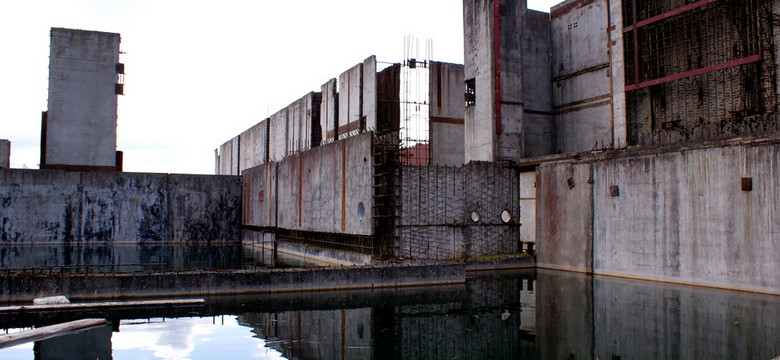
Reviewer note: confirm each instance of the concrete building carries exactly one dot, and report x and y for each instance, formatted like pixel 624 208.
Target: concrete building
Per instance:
pixel 5 153
pixel 79 128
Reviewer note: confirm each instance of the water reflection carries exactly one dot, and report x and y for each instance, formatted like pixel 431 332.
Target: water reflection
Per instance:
pixel 508 315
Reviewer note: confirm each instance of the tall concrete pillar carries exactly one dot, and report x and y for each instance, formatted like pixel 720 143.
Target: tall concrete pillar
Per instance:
pixel 79 128
pixel 506 56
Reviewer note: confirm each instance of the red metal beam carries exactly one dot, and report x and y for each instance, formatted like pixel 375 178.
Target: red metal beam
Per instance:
pixel 702 71
pixel 668 14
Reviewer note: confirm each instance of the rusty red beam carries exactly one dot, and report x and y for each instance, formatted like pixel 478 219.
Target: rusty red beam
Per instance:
pixel 687 74
pixel 668 14
pixel 497 61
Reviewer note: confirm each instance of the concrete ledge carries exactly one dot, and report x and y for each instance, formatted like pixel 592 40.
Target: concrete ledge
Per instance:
pixel 319 255
pixel 24 288
pixel 514 262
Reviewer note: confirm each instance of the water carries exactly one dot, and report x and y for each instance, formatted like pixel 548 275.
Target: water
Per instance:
pixel 501 315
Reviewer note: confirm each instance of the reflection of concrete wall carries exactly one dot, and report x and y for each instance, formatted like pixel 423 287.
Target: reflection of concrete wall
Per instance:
pixel 80 126
pixel 62 207
pixel 91 344
pixel 436 208
pixel 329 334
pixel 675 216
pixel 584 317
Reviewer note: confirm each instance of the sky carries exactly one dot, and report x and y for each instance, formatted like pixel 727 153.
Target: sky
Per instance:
pixel 200 72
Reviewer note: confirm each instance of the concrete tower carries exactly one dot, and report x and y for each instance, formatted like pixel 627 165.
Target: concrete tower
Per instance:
pixel 79 129
pixel 507 74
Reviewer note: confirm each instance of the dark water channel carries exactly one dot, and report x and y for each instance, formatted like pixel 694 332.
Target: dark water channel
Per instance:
pixel 495 315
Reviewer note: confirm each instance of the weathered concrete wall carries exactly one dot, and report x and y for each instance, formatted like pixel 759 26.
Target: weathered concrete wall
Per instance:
pixel 507 54
pixel 329 110
pixel 228 156
pixel 437 205
pixel 303 122
pixel 528 209
pixel 277 136
pixel 581 75
pixel 82 101
pixel 328 189
pixel 253 146
pixel 678 216
pixel 70 208
pixel 5 153
pixel 259 196
pixel 369 90
pixel 538 130
pixel 200 283
pixel 564 236
pixel 447 106
pixel 350 101
pixel 682 216
pixel 478 59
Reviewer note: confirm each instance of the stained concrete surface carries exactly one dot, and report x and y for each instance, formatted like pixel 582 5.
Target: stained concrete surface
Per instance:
pixel 82 103
pixel 678 216
pixel 5 153
pixel 101 208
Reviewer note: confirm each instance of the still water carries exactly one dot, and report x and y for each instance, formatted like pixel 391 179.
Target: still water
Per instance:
pixel 495 315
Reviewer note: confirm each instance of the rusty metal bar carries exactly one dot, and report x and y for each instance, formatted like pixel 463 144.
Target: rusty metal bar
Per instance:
pixel 687 74
pixel 667 14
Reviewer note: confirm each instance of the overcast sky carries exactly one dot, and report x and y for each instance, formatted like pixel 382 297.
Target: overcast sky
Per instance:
pixel 200 72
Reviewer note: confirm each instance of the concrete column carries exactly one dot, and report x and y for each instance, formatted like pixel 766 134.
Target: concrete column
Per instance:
pixel 5 153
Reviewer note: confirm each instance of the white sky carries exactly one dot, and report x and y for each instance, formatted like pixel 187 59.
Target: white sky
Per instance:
pixel 200 72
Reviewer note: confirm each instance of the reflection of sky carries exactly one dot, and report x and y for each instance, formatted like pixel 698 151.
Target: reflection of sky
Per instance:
pixel 188 338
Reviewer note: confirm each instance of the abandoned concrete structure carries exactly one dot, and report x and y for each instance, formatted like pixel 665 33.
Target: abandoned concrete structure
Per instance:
pixel 78 130
pixel 567 122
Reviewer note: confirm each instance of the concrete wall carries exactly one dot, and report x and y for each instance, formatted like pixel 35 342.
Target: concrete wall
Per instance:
pixel 80 127
pixel 321 190
pixel 369 89
pixel 509 62
pixel 447 106
pixel 538 130
pixel 228 157
pixel 99 208
pixel 528 209
pixel 478 59
pixel 277 135
pixel 253 146
pixel 350 101
pixel 5 153
pixel 678 216
pixel 329 111
pixel 202 283
pixel 437 205
pixel 581 75
pixel 259 196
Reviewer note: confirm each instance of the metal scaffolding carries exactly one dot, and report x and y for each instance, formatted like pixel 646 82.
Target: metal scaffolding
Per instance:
pixel 693 67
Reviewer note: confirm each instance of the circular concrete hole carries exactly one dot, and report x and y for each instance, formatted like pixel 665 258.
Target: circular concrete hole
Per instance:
pixel 506 216
pixel 361 211
pixel 474 216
